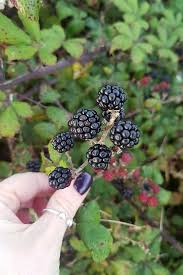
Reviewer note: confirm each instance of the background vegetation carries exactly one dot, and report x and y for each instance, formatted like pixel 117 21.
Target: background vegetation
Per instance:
pixel 54 58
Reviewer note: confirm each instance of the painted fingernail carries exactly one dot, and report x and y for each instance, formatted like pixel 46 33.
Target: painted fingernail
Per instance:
pixel 83 183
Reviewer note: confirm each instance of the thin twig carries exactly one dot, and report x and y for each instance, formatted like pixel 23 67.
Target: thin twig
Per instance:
pixel 123 223
pixel 42 71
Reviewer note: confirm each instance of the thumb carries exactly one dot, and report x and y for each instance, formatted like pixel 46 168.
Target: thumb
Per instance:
pixel 67 200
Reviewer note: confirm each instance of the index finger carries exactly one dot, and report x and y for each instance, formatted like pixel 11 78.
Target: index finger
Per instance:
pixel 18 189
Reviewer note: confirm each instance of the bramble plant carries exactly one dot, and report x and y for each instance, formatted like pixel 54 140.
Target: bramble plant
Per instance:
pixel 54 56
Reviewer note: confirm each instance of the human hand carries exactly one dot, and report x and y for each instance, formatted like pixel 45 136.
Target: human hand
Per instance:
pixel 34 249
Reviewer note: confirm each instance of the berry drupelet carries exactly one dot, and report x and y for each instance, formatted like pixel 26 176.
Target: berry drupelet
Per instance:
pixel 63 142
pixel 99 156
pixel 33 165
pixel 85 124
pixel 60 178
pixel 107 115
pixel 124 134
pixel 111 97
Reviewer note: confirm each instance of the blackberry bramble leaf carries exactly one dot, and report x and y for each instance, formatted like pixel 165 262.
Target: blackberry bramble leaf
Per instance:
pixel 111 97
pixel 85 124
pixel 33 165
pixel 60 178
pixel 63 142
pixel 124 134
pixel 99 156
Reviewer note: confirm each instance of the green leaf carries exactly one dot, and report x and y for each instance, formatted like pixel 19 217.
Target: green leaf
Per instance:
pixel 166 53
pixel 123 28
pixel 144 7
pixel 153 103
pixel 164 196
pixel 74 46
pixel 158 269
pixel 51 39
pixel 57 116
pixel 98 240
pixel 32 27
pixel 28 12
pixel 54 155
pixel 122 267
pixel 179 271
pixel 22 109
pixel 2 96
pixel 90 213
pixel 49 95
pixel 5 169
pixel 10 33
pixel 47 58
pixel 122 6
pixel 64 10
pixel 78 245
pixel 137 54
pixel 45 130
pixel 121 42
pixel 19 52
pixel 9 124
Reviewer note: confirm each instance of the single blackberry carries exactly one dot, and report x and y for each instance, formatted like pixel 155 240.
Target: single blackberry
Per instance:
pixel 146 187
pixel 63 142
pixel 33 165
pixel 60 178
pixel 124 134
pixel 99 156
pixel 85 124
pixel 107 114
pixel 111 97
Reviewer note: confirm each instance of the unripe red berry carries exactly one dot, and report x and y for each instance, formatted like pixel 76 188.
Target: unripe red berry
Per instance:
pixel 136 174
pixel 126 158
pixel 145 80
pixel 143 197
pixel 152 201
pixel 108 175
pixel 121 172
pixel 155 187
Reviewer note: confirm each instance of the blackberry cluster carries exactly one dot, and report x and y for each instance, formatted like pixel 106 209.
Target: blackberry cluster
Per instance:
pixel 85 124
pixel 99 156
pixel 111 97
pixel 63 142
pixel 33 165
pixel 60 178
pixel 124 134
pixel 107 114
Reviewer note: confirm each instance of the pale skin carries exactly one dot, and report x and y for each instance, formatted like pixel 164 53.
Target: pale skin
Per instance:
pixel 27 249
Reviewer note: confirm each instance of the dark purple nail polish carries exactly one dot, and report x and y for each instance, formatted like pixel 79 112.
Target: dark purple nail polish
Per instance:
pixel 83 183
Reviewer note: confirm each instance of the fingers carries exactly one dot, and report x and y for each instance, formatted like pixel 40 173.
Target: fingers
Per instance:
pixel 19 189
pixel 67 200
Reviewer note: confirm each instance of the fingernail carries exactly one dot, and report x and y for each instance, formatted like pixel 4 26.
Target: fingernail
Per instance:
pixel 83 183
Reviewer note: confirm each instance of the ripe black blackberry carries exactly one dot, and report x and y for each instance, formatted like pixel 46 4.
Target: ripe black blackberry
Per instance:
pixel 99 156
pixel 85 124
pixel 33 165
pixel 124 134
pixel 107 114
pixel 63 142
pixel 60 178
pixel 111 97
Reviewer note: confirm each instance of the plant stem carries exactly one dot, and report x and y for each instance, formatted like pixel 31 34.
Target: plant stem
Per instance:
pixel 115 114
pixel 124 223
